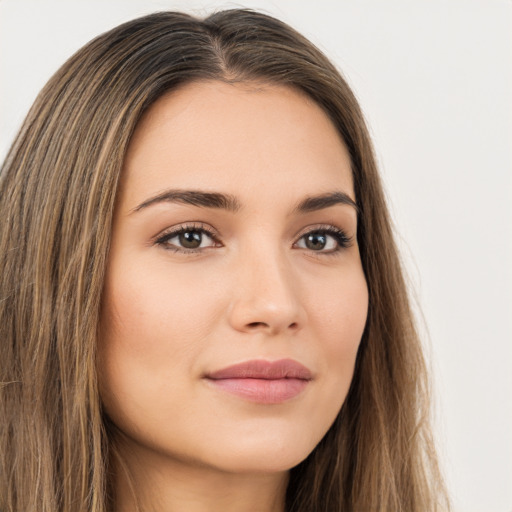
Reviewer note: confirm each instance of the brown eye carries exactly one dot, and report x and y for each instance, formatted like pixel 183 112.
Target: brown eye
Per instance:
pixel 187 239
pixel 315 241
pixel 190 239
pixel 325 241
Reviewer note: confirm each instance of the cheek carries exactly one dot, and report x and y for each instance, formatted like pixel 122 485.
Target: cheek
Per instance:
pixel 340 308
pixel 152 311
pixel 340 319
pixel 152 330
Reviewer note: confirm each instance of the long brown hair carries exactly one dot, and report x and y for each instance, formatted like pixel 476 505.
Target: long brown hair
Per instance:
pixel 57 193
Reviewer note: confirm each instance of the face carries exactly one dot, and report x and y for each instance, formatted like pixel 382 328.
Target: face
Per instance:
pixel 234 300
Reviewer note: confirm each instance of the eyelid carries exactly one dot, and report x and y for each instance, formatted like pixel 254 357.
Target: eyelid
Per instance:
pixel 343 238
pixel 169 233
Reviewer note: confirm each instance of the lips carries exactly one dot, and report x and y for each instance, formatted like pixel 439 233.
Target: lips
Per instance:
pixel 260 381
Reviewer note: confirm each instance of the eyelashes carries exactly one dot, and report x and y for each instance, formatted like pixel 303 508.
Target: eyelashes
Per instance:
pixel 189 238
pixel 193 238
pixel 325 240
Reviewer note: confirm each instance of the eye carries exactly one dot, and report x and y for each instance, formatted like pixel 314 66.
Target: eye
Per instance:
pixel 328 240
pixel 187 239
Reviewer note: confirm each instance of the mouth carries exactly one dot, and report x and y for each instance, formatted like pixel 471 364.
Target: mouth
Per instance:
pixel 264 382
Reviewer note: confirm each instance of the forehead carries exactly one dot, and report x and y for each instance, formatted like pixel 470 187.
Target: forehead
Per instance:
pixel 242 139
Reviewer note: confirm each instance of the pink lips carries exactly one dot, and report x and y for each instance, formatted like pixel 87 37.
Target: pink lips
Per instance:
pixel 265 382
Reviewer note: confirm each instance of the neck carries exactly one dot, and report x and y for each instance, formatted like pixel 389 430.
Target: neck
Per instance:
pixel 151 482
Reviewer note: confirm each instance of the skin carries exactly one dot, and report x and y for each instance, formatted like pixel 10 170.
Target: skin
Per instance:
pixel 254 290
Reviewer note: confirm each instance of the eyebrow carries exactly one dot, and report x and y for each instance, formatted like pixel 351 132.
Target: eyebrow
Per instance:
pixel 319 202
pixel 195 198
pixel 231 203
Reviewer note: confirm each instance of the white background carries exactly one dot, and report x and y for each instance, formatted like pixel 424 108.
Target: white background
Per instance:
pixel 435 81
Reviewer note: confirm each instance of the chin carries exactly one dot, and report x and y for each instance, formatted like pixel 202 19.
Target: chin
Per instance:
pixel 261 463
pixel 269 454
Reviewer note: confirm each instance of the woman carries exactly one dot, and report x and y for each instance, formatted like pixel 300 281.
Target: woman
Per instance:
pixel 202 303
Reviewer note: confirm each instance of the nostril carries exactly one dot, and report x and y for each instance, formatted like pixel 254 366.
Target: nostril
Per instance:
pixel 260 325
pixel 256 325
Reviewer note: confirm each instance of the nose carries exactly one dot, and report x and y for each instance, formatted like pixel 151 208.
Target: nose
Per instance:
pixel 266 297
